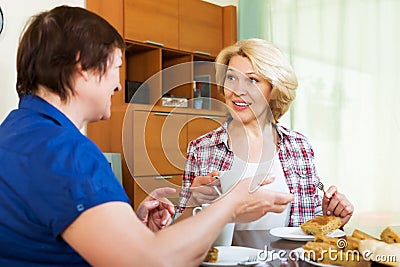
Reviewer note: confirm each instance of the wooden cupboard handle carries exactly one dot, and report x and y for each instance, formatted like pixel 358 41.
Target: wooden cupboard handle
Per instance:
pixel 202 53
pixel 162 114
pixel 163 177
pixel 154 43
pixel 211 117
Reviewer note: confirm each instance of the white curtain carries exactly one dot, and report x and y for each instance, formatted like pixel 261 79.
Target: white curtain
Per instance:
pixel 346 54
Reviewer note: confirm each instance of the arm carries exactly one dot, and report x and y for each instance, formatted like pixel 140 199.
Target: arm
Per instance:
pixel 111 234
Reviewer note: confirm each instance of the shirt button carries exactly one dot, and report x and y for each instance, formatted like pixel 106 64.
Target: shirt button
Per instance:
pixel 80 207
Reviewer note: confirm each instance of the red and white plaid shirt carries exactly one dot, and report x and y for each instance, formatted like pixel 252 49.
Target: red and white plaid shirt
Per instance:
pixel 211 152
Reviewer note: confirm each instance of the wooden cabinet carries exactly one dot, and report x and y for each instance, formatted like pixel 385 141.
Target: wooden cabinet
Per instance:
pixel 152 22
pixel 160 142
pixel 200 27
pixel 193 26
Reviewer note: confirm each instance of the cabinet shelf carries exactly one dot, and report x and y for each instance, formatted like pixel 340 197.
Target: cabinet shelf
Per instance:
pixel 165 71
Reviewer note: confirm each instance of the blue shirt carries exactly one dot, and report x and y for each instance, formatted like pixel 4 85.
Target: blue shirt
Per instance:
pixel 49 174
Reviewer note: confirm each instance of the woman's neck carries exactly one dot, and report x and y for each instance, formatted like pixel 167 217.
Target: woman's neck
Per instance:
pixel 67 107
pixel 252 143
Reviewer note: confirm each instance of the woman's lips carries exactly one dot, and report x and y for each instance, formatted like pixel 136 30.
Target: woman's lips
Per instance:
pixel 240 105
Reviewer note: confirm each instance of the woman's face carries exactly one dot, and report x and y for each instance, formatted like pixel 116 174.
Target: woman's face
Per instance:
pixel 102 89
pixel 247 94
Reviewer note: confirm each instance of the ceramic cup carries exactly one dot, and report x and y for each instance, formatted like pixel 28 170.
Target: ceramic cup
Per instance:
pixel 198 103
pixel 226 234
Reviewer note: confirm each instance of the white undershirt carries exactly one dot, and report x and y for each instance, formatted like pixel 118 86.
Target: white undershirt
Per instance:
pixel 269 220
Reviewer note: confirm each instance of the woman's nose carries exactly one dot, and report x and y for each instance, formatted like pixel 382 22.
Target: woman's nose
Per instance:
pixel 118 88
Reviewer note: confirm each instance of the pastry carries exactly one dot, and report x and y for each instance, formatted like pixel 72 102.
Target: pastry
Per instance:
pixel 388 235
pixel 361 235
pixel 321 225
pixel 212 255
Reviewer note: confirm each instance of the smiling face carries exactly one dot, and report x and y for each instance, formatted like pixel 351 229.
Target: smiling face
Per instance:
pixel 246 93
pixel 98 97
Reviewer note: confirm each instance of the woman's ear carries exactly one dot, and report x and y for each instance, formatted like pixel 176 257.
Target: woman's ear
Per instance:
pixel 79 70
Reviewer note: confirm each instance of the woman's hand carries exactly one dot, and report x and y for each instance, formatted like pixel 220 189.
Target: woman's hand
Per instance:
pixel 337 204
pixel 203 190
pixel 252 205
pixel 156 211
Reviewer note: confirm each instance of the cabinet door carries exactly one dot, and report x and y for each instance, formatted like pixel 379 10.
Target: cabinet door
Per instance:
pixel 159 143
pixel 199 125
pixel 152 21
pixel 200 27
pixel 144 185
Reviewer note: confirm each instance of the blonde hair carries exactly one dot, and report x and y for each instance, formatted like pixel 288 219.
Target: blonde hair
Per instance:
pixel 268 62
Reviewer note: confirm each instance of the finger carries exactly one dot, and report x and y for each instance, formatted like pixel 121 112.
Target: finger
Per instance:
pixel 162 192
pixel 347 210
pixel 214 173
pixel 283 198
pixel 267 180
pixel 344 206
pixel 345 219
pixel 165 216
pixel 202 180
pixel 266 206
pixel 333 202
pixel 332 190
pixel 144 208
pixel 169 207
pixel 338 210
pixel 205 190
pixel 202 198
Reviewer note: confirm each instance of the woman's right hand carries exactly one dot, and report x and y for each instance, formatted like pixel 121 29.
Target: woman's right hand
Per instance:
pixel 250 206
pixel 203 190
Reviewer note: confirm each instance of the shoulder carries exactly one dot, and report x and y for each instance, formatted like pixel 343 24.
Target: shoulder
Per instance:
pixel 290 134
pixel 293 140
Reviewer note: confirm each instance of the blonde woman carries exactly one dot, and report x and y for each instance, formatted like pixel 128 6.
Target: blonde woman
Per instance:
pixel 259 85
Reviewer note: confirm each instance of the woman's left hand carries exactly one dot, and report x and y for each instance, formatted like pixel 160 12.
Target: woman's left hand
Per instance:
pixel 156 211
pixel 337 204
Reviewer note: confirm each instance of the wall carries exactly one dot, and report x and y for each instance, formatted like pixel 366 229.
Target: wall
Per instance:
pixel 16 17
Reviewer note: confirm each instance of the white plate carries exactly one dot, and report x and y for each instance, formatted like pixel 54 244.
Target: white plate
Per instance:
pixel 296 234
pixel 232 255
pixel 300 253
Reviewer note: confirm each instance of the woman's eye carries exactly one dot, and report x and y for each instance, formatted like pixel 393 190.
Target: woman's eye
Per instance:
pixel 253 80
pixel 230 77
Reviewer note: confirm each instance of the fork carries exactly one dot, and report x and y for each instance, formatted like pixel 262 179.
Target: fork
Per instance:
pixel 250 261
pixel 320 186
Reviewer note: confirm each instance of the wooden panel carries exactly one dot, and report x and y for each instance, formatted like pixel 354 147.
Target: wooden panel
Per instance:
pixel 143 186
pixel 149 20
pixel 229 25
pixel 142 62
pixel 100 133
pixel 160 141
pixel 177 75
pixel 199 125
pixel 112 11
pixel 200 26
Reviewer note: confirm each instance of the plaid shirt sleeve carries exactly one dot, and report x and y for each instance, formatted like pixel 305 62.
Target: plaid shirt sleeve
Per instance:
pixel 297 158
pixel 187 178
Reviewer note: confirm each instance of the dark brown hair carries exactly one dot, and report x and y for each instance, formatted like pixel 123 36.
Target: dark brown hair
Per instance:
pixel 55 41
